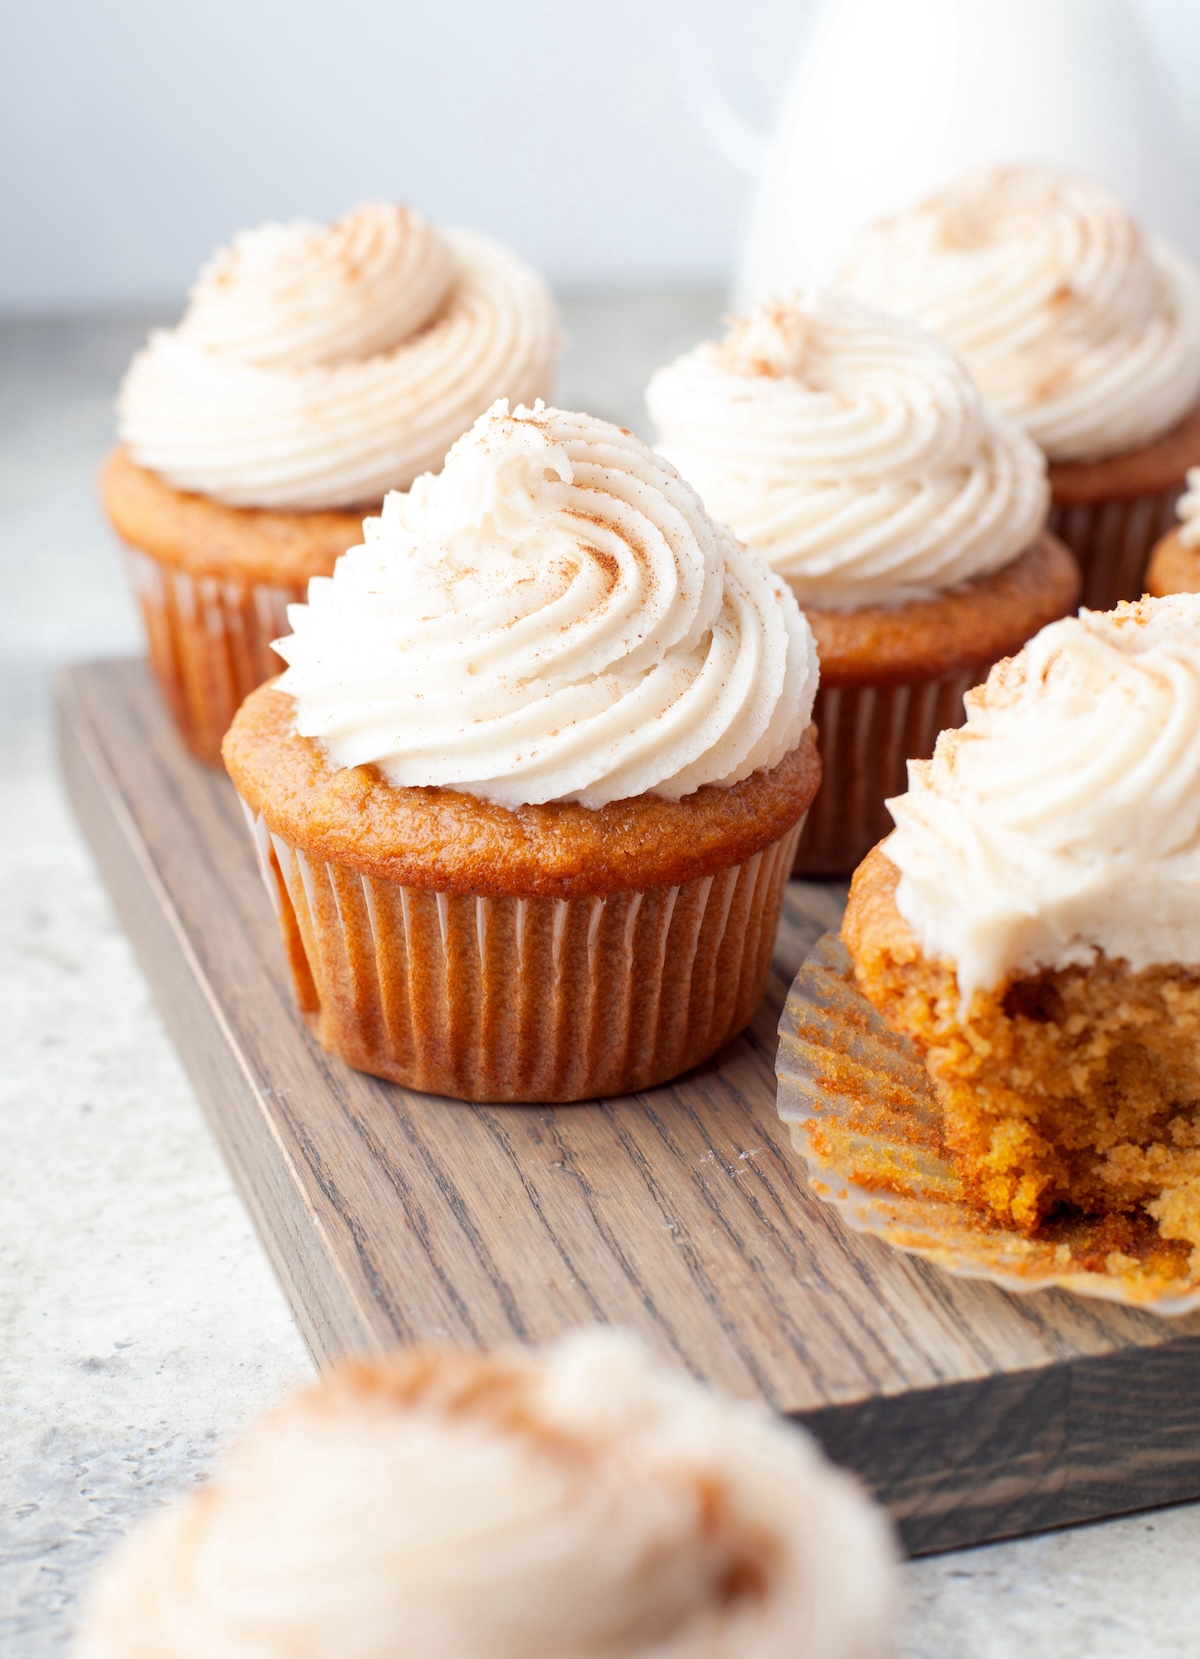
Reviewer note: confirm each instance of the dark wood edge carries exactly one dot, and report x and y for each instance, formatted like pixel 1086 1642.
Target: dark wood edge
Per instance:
pixel 1051 1447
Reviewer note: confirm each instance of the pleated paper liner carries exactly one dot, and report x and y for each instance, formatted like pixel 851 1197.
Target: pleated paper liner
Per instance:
pixel 525 999
pixel 1113 541
pixel 862 1113
pixel 867 735
pixel 209 643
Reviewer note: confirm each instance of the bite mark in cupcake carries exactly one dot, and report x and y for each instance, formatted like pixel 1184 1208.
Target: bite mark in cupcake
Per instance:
pixel 1032 923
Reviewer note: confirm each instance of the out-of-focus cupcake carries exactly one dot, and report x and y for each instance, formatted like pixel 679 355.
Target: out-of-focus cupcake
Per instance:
pixel 1175 562
pixel 1075 323
pixel 1033 925
pixel 854 453
pixel 530 789
pixel 584 1501
pixel 315 368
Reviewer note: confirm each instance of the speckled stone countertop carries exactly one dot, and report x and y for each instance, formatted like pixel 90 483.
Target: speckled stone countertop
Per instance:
pixel 141 1325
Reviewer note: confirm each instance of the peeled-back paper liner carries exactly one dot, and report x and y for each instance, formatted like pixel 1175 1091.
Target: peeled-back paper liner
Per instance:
pixel 1113 541
pixel 534 999
pixel 210 643
pixel 862 1112
pixel 866 736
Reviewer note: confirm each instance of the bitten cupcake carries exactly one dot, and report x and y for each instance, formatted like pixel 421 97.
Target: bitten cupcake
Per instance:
pixel 530 789
pixel 315 368
pixel 1075 323
pixel 448 1505
pixel 1175 563
pixel 1033 926
pixel 854 453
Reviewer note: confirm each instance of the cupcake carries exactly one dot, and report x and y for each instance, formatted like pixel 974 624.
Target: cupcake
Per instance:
pixel 530 789
pixel 1033 927
pixel 1175 563
pixel 453 1505
pixel 1074 323
pixel 854 453
pixel 315 368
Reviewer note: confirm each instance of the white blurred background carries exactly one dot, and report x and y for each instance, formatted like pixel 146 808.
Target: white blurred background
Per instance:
pixel 607 142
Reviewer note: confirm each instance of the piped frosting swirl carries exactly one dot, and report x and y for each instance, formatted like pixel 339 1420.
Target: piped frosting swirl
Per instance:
pixel 320 366
pixel 552 617
pixel 1064 817
pixel 852 450
pixel 581 1502
pixel 1072 320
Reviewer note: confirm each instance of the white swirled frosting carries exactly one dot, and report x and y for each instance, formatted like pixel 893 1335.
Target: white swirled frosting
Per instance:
pixel 581 1504
pixel 1072 320
pixel 852 451
pixel 552 617
pixel 1188 508
pixel 321 366
pixel 1064 817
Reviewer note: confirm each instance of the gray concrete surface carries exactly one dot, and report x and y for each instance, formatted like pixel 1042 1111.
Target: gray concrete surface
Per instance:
pixel 139 1322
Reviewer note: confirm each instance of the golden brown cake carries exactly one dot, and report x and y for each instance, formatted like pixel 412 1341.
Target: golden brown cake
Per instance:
pixel 1075 1087
pixel 314 369
pixel 1175 564
pixel 1075 323
pixel 1174 568
pixel 548 952
pixel 1031 926
pixel 852 450
pixel 528 794
pixel 584 1500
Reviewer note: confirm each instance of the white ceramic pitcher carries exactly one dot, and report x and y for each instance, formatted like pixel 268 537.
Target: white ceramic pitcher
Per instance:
pixel 895 97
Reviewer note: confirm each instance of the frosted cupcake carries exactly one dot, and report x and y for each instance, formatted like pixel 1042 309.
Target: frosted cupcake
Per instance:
pixel 1075 323
pixel 1175 563
pixel 854 453
pixel 530 789
pixel 1033 925
pixel 315 368
pixel 507 1506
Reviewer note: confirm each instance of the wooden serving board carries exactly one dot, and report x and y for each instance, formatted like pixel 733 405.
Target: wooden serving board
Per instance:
pixel 395 1218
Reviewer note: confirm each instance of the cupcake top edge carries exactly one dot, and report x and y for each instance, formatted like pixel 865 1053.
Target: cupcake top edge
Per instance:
pixel 448 842
pixel 580 1499
pixel 1073 320
pixel 552 617
pixel 1063 819
pixel 319 366
pixel 852 450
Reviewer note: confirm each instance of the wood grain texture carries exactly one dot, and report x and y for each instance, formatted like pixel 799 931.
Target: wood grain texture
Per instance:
pixel 394 1218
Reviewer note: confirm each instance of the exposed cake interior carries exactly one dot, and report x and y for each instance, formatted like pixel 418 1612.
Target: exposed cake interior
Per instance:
pixel 1033 925
pixel 1072 1087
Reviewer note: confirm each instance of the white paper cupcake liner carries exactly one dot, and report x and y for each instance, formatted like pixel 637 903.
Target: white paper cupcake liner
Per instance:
pixel 525 999
pixel 1113 541
pixel 866 737
pixel 862 1112
pixel 209 643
